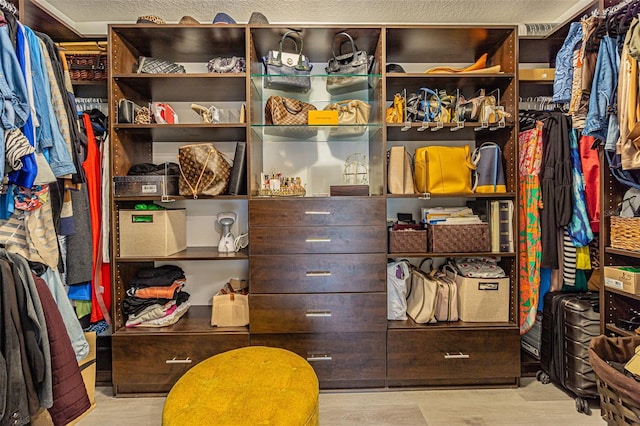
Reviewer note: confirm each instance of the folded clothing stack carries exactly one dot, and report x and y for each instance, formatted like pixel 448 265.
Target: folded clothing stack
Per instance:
pixel 155 297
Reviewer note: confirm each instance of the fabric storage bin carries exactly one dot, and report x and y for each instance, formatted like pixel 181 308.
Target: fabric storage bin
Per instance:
pixel 151 233
pixel 482 299
pixel 459 238
pixel 151 185
pixel 408 241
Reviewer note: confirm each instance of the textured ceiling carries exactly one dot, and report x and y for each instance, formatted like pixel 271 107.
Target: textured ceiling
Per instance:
pixel 90 17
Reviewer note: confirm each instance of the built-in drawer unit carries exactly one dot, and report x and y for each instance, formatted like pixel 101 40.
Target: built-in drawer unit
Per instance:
pixel 340 360
pixel 319 273
pixel 318 313
pixel 419 357
pixel 153 363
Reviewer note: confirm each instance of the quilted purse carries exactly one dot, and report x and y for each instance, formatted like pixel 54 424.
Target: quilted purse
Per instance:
pixel 443 170
pixel 290 72
pixel 283 111
pixel 233 64
pixel 349 71
pixel 149 65
pixel 203 170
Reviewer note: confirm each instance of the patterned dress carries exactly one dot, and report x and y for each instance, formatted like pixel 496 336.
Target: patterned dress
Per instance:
pixel 530 255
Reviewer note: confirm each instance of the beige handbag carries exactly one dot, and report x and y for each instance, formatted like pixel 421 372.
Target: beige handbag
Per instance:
pixel 399 171
pixel 203 170
pixel 353 117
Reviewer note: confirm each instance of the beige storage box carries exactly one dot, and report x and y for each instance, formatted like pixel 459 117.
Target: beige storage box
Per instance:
pixel 149 233
pixel 618 278
pixel 482 299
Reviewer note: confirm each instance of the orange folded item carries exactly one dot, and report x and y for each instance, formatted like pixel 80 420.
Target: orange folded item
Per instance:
pixel 479 66
pixel 159 292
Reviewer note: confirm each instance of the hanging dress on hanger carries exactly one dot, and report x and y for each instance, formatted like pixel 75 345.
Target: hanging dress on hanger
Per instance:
pixel 530 250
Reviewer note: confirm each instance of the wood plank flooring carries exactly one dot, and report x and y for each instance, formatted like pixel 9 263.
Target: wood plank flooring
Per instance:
pixel 531 404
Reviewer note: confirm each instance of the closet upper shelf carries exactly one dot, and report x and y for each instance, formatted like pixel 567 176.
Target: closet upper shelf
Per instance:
pixel 184 87
pixel 180 43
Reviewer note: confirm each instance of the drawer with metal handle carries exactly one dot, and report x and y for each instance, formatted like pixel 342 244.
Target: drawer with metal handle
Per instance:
pixel 318 273
pixel 317 313
pixel 152 363
pixel 318 239
pixel 317 212
pixel 462 356
pixel 340 360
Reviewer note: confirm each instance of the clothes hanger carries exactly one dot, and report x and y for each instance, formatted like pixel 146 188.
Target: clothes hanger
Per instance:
pixel 8 7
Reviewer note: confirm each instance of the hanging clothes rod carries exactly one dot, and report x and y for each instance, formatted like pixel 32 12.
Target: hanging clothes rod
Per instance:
pixel 8 7
pixel 79 47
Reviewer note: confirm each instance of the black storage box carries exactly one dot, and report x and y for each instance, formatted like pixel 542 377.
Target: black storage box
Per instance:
pixel 151 185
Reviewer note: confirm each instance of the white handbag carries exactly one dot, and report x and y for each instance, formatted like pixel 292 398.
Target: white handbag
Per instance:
pixel 422 297
pixel 398 281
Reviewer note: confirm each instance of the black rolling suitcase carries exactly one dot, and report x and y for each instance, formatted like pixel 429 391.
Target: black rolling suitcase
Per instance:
pixel 569 322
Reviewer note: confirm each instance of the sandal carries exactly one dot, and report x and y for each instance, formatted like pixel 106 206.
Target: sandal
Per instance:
pixel 209 115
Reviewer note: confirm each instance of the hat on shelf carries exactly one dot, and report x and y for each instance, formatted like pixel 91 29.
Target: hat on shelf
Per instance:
pixel 395 68
pixel 188 20
pixel 150 19
pixel 223 18
pixel 258 18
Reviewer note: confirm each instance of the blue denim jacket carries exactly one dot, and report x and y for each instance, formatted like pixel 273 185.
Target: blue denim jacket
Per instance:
pixel 14 109
pixel 605 82
pixel 564 64
pixel 48 135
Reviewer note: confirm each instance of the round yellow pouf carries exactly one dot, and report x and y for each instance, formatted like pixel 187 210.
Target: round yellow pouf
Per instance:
pixel 255 385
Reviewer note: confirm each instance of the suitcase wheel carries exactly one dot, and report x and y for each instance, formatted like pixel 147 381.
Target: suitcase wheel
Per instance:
pixel 543 377
pixel 582 406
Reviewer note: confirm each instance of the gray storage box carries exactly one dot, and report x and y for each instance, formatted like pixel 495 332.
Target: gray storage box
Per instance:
pixel 128 186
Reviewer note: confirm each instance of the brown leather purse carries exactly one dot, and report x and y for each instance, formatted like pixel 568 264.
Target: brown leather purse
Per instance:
pixel 203 170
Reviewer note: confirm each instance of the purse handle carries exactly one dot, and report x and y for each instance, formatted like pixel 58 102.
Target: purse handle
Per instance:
pixel 194 190
pixel 290 109
pixel 354 49
pixel 278 59
pixel 430 116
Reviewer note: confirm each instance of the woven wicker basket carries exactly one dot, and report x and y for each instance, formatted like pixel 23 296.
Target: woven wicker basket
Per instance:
pixel 616 389
pixel 87 67
pixel 408 241
pixel 625 233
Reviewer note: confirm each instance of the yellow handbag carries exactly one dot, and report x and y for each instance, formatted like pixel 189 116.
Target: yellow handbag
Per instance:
pixel 395 113
pixel 443 169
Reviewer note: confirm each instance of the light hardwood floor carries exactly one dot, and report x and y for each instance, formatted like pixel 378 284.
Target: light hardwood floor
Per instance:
pixel 531 404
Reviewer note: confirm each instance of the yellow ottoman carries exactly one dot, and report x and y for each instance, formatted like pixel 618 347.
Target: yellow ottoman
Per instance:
pixel 255 385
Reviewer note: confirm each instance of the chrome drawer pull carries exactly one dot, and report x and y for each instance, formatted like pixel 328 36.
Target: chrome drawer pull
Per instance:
pixel 318 274
pixel 318 240
pixel 312 212
pixel 187 360
pixel 318 313
pixel 459 355
pixel 319 357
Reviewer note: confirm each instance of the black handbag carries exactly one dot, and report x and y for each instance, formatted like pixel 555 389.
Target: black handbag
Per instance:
pixel 349 71
pixel 290 72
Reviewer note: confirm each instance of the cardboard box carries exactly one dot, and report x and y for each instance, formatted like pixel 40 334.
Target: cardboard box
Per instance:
pixel 536 74
pixel 132 186
pixel 616 277
pixel 152 232
pixel 88 367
